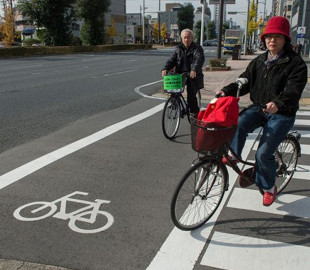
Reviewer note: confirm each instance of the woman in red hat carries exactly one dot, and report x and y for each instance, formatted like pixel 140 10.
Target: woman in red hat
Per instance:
pixel 276 79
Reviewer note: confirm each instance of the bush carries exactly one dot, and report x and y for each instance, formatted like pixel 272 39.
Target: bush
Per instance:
pixel 217 62
pixel 31 42
pixel 76 41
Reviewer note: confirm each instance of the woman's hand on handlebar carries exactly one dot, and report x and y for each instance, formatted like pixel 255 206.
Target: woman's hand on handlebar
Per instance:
pixel 271 107
pixel 219 94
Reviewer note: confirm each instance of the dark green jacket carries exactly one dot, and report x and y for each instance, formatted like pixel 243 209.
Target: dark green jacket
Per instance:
pixel 282 83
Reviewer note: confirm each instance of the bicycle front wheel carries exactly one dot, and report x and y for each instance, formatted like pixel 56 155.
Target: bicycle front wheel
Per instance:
pixel 286 157
pixel 171 117
pixel 198 194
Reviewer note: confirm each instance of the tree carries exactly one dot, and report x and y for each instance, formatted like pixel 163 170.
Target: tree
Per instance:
pixel 92 11
pixel 111 30
pixel 253 25
pixel 53 15
pixel 8 27
pixel 211 30
pixel 197 31
pixel 186 17
pixel 163 31
pixel 155 31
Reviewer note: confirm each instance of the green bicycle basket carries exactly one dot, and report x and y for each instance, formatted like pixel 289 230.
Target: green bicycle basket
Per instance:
pixel 173 83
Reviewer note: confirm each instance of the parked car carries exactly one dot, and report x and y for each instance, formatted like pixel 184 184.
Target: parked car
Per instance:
pixel 207 43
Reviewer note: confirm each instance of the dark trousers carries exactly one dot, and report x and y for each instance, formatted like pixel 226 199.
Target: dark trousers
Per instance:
pixel 275 130
pixel 191 96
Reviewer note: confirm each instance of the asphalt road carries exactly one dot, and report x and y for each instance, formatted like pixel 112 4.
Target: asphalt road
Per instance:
pixel 42 94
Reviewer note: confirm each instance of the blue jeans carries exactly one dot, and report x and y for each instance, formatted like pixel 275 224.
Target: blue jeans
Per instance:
pixel 275 129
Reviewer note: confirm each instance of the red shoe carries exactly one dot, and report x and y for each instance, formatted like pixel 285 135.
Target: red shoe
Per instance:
pixel 269 198
pixel 226 162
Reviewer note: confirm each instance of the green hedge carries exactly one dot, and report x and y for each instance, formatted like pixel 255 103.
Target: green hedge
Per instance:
pixel 31 51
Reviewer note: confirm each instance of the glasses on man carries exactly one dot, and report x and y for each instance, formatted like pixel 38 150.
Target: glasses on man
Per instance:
pixel 273 36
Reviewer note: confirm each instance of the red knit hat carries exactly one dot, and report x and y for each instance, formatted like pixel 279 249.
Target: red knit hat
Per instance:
pixel 277 25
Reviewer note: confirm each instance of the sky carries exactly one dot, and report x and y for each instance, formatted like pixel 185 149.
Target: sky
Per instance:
pixel 133 6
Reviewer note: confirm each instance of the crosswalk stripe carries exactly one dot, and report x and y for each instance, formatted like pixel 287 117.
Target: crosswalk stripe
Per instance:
pixel 236 252
pixel 302 122
pixel 285 204
pixel 303 113
pixel 301 172
pixel 305 148
pixel 304 133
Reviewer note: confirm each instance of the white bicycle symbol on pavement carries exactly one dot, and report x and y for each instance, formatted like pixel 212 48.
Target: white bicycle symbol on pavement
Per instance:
pixel 88 214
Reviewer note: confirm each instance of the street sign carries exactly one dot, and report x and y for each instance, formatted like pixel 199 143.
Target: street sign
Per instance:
pixel 301 30
pixel 300 35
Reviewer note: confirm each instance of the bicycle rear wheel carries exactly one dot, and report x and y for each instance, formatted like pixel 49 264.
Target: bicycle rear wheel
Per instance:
pixel 198 194
pixel 286 157
pixel 171 117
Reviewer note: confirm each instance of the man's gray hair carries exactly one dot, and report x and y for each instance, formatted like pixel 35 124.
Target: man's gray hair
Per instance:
pixel 188 31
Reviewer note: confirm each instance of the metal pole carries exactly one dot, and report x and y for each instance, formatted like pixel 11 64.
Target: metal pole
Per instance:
pixel 202 28
pixel 143 23
pixel 159 22
pixel 219 40
pixel 246 29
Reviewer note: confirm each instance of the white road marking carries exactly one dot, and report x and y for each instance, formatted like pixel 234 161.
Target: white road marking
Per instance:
pixel 302 122
pixel 303 113
pixel 305 148
pixel 236 252
pixel 285 204
pixel 30 167
pixel 301 172
pixel 181 249
pixel 137 90
pixel 121 72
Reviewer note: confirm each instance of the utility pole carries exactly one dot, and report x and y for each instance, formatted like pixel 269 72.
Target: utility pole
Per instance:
pixel 159 22
pixel 219 40
pixel 202 21
pixel 143 23
pixel 246 29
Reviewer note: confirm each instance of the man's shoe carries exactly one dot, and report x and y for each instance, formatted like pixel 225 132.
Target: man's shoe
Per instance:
pixel 269 198
pixel 247 178
pixel 226 162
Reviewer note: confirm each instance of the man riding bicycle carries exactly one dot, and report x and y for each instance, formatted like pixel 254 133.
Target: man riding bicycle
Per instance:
pixel 188 57
pixel 275 79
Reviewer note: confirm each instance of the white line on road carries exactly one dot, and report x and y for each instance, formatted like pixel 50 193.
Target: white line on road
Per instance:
pixel 137 90
pixel 231 251
pixel 30 167
pixel 121 72
pixel 285 204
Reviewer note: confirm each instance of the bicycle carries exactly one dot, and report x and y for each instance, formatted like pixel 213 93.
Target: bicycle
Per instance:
pixel 201 190
pixel 176 106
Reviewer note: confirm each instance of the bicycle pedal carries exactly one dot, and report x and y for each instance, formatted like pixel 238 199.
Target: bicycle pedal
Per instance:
pixel 226 187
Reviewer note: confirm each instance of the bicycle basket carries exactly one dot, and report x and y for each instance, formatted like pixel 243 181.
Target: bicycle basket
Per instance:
pixel 173 83
pixel 209 137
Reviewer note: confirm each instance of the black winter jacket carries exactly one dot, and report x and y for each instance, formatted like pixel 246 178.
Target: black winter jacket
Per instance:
pixel 282 83
pixel 194 61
